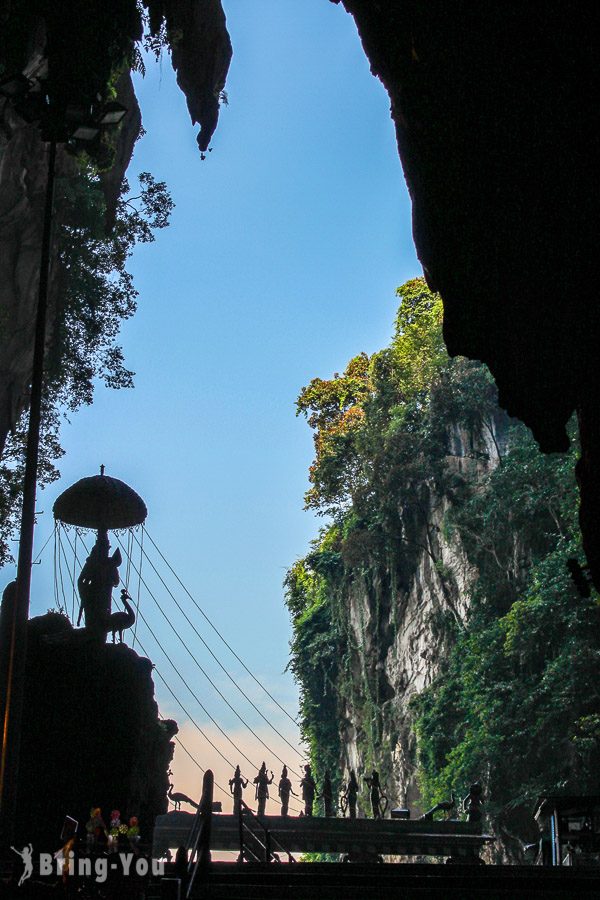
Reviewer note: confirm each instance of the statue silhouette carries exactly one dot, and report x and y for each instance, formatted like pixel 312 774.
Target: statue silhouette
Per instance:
pixel 177 799
pixel 472 803
pixel 262 782
pixel 350 795
pixel 376 794
pixel 284 790
pixel 442 806
pixel 100 574
pixel 309 789
pixel 119 621
pixel 26 855
pixel 236 786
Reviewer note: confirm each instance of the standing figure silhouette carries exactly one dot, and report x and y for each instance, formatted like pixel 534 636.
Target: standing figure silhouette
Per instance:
pixel 262 782
pixel 236 786
pixel 309 789
pixel 284 790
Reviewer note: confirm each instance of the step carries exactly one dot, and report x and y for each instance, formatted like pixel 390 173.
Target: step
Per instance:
pixel 336 881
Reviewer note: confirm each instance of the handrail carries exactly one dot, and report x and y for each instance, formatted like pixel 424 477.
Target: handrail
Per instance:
pixel 192 838
pixel 199 858
pixel 244 811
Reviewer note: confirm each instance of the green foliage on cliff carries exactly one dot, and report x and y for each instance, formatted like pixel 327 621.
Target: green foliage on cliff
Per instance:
pixel 516 703
pixel 315 662
pixel 381 444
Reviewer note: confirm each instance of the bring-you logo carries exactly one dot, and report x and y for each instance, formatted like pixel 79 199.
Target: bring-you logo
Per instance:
pixel 97 867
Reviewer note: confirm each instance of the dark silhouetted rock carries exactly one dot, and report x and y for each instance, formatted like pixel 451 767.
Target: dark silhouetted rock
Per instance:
pixel 92 736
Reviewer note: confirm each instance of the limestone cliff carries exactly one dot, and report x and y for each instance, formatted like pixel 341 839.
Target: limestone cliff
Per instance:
pixel 402 625
pixel 437 634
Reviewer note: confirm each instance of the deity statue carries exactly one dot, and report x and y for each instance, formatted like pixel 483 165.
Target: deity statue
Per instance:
pixel 236 786
pixel 350 795
pixel 262 782
pixel 376 794
pixel 284 790
pixel 100 574
pixel 472 803
pixel 309 789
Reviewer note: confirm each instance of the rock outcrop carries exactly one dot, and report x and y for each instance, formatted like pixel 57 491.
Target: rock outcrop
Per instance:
pixel 91 735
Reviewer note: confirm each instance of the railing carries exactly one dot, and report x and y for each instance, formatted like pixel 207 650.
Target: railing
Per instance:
pixel 198 844
pixel 262 848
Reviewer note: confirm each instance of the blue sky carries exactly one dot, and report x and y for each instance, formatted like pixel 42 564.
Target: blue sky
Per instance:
pixel 281 262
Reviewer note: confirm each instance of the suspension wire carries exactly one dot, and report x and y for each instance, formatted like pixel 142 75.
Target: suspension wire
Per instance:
pixel 137 605
pixel 73 578
pixel 185 711
pixel 62 550
pixel 190 718
pixel 220 664
pixel 128 557
pixel 195 696
pixel 194 760
pixel 204 735
pixel 202 769
pixel 48 539
pixel 83 544
pixel 75 559
pixel 55 569
pixel 212 683
pixel 61 553
pixel 218 633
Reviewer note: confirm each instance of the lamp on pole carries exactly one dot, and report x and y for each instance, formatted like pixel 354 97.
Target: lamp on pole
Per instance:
pixel 80 126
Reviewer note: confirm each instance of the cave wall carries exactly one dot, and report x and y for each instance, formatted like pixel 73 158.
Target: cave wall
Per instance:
pixel 496 118
pixel 497 125
pixel 77 57
pixel 23 177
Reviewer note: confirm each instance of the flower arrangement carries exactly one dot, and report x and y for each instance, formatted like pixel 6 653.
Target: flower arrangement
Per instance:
pixel 95 827
pixel 95 821
pixel 115 823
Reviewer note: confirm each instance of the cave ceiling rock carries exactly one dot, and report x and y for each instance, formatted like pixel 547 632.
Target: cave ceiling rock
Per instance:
pixel 496 116
pixel 61 43
pixel 201 52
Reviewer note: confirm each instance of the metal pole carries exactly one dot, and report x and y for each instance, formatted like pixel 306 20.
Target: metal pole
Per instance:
pixel 15 680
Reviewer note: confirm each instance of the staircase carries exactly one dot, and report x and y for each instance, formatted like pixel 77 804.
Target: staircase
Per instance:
pixel 262 877
pixel 348 881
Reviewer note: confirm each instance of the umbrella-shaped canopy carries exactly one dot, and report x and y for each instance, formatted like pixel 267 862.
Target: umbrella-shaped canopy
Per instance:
pixel 100 502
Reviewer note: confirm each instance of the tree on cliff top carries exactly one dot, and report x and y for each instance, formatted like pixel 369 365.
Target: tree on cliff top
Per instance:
pixel 387 405
pixel 94 294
